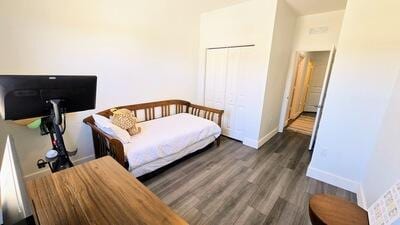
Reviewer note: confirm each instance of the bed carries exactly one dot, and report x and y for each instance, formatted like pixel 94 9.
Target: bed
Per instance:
pixel 171 130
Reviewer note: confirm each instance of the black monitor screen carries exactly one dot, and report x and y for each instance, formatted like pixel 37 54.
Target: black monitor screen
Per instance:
pixel 23 97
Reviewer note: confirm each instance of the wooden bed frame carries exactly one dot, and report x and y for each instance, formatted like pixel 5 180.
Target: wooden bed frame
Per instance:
pixel 105 144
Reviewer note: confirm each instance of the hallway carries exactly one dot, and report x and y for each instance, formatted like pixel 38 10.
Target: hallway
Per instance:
pixel 304 124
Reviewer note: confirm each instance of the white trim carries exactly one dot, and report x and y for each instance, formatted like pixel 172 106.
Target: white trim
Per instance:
pixel 47 170
pixel 290 78
pixel 36 174
pixel 84 159
pixel 340 182
pixel 250 142
pixel 361 200
pixel 267 137
pixel 258 143
pixel 333 179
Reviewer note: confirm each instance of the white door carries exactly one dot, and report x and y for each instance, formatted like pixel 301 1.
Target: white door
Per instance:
pixel 234 120
pixel 320 60
pixel 215 83
pixel 226 86
pixel 321 103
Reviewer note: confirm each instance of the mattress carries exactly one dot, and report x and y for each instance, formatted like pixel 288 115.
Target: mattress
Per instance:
pixel 156 164
pixel 168 137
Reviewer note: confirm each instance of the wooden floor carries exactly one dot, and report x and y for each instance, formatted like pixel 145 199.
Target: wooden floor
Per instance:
pixel 304 124
pixel 234 184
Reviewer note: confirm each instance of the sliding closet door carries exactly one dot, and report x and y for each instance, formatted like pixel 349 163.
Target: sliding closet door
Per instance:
pixel 215 83
pixel 228 81
pixel 236 91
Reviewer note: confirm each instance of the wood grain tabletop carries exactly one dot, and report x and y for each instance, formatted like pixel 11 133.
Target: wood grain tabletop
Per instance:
pixel 98 192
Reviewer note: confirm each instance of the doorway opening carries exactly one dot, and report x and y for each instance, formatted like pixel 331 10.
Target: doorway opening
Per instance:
pixel 307 92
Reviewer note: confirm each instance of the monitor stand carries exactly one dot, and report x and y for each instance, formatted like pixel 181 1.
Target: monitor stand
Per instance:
pixel 52 125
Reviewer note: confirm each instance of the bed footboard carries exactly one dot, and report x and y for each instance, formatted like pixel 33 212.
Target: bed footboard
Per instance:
pixel 209 114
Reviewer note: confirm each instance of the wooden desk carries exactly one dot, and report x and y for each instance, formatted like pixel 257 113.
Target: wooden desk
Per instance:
pixel 97 192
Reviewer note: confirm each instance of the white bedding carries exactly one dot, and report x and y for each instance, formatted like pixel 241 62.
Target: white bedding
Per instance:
pixel 156 164
pixel 167 136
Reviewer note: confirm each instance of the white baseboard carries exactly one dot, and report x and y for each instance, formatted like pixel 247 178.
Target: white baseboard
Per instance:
pixel 36 174
pixel 267 137
pixel 46 171
pixel 340 182
pixel 84 159
pixel 286 122
pixel 333 179
pixel 250 142
pixel 361 200
pixel 258 143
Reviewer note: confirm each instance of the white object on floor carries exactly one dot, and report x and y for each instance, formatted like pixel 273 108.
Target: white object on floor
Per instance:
pixel 167 136
pixel 386 210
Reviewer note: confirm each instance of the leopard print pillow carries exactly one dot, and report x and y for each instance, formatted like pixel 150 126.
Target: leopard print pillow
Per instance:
pixel 124 119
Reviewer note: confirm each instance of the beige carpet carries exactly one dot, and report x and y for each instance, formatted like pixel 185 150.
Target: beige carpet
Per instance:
pixel 303 124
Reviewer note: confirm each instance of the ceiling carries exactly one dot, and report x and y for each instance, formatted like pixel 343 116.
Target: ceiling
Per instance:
pixel 306 7
pixel 302 7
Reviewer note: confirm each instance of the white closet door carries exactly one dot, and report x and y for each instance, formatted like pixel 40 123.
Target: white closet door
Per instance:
pixel 215 84
pixel 228 81
pixel 236 92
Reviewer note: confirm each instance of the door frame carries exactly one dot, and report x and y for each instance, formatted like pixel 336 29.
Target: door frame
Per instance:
pixel 310 71
pixel 299 60
pixel 321 103
pixel 283 121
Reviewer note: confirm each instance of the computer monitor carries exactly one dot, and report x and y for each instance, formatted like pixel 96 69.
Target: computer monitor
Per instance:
pixel 48 97
pixel 14 200
pixel 27 96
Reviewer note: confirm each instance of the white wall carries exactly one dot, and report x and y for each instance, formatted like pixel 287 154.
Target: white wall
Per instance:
pixel 247 23
pixel 363 77
pixel 383 169
pixel 279 59
pixel 304 41
pixel 140 50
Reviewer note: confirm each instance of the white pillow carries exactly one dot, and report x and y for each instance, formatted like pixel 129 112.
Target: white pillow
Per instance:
pixel 106 125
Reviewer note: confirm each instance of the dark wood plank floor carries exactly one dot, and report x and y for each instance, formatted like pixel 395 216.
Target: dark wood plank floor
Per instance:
pixel 234 184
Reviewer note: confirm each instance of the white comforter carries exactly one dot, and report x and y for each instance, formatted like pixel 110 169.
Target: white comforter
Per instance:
pixel 166 136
